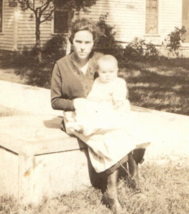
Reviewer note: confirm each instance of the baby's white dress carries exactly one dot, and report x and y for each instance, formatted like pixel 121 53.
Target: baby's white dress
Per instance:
pixel 112 141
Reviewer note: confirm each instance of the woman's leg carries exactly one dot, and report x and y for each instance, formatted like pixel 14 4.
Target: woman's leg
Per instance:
pixel 112 185
pixel 110 196
pixel 134 158
pixel 133 170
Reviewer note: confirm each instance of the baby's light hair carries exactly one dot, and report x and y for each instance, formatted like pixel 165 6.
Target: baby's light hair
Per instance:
pixel 107 58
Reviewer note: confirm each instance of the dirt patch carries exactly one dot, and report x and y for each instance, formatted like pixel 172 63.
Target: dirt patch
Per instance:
pixel 5 111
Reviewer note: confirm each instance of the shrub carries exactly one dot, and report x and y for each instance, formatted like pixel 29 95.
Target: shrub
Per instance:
pixel 55 46
pixel 151 51
pixel 106 42
pixel 36 73
pixel 138 49
pixel 174 39
pixel 39 73
pixel 134 49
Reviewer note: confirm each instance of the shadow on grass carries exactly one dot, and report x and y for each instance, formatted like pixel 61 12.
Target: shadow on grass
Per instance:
pixel 161 84
pixel 158 89
pixel 37 74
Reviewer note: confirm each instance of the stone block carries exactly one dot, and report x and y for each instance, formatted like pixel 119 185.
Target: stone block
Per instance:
pixel 38 160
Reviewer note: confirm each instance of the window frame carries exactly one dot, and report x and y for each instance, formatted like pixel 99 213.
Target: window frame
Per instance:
pixel 184 43
pixel 157 19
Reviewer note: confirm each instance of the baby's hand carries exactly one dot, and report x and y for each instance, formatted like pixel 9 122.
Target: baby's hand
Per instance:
pixel 118 104
pixel 79 103
pixel 69 116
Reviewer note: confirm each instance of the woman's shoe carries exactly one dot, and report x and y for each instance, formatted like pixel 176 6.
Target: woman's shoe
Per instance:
pixel 113 204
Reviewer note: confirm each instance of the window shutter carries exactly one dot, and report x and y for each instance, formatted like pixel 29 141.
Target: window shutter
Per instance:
pixel 61 20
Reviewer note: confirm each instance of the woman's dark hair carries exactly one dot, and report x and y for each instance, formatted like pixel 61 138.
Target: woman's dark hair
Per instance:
pixel 84 24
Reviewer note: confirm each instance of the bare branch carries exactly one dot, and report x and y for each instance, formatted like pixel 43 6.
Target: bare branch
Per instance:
pixel 25 4
pixel 46 5
pixel 47 17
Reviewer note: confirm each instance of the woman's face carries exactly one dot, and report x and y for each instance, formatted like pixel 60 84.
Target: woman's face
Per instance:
pixel 83 43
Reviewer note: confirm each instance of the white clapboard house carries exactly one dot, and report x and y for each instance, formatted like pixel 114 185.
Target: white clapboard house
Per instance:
pixel 152 20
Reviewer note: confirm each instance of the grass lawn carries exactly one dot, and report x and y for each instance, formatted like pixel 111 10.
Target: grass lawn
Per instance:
pixel 165 190
pixel 161 85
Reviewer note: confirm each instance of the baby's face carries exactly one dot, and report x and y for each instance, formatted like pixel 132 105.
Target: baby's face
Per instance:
pixel 107 71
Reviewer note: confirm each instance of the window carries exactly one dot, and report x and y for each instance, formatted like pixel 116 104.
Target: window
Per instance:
pixel 61 21
pixel 151 16
pixel 1 16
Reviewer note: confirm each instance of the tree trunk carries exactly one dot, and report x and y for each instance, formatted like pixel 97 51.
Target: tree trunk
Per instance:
pixel 37 36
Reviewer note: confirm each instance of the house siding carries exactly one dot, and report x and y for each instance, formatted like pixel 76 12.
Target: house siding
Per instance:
pixel 128 17
pixel 26 30
pixel 170 16
pixel 6 37
pixel 19 29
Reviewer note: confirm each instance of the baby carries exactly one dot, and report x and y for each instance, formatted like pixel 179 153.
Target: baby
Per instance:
pixel 106 105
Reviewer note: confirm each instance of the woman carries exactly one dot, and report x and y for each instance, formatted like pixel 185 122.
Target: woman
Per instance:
pixel 72 80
